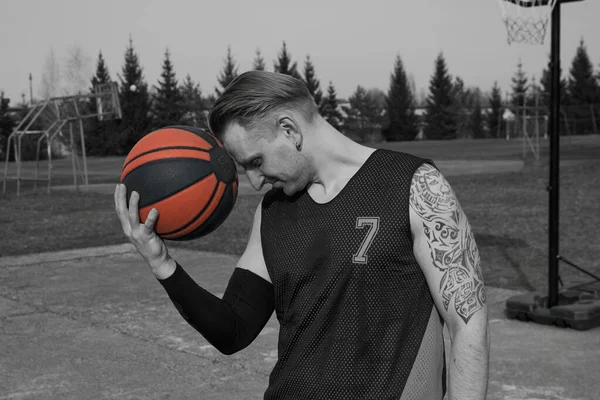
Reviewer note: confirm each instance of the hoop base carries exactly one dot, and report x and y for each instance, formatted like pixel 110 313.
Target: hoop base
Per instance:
pixel 577 309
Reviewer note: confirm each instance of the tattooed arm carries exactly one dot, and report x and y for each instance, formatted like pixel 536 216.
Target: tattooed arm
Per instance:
pixel 445 249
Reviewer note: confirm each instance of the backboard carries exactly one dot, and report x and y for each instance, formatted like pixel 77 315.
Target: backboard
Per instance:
pixel 107 101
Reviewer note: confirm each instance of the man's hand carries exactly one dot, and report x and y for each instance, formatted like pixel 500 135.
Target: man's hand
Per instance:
pixel 142 235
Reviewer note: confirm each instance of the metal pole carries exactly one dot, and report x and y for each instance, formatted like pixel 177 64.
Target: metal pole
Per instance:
pixel 11 137
pixel 30 89
pixel 553 188
pixel 82 138
pixel 17 149
pixel 73 155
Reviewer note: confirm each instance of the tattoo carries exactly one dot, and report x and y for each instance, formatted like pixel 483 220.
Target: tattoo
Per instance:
pixel 451 242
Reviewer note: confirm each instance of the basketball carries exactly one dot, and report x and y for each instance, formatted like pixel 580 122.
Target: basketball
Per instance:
pixel 187 175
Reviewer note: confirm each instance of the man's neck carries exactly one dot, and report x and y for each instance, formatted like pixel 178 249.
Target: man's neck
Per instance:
pixel 335 159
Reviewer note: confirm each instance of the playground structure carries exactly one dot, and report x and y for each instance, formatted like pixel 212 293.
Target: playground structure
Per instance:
pixel 529 121
pixel 48 120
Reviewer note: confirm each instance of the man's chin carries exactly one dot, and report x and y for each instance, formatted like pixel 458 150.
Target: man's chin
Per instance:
pixel 286 189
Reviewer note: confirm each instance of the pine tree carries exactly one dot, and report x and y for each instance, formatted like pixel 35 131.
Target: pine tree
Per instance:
pixel 102 75
pixel 228 74
pixel 462 107
pixel 520 87
pixel 135 102
pixel 546 89
pixel 597 106
pixel 313 83
pixel 331 113
pixel 460 92
pixel 583 91
pixel 284 64
pixel 356 112
pixel 363 115
pixel 440 119
pixel 546 85
pixel 494 120
pixel 535 95
pixel 376 108
pixel 476 128
pixel 193 105
pixel 400 101
pixel 7 124
pixel 168 102
pixel 598 75
pixel 259 62
pixel 209 101
pixel 100 137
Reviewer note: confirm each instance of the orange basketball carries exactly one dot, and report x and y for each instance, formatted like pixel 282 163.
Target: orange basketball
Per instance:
pixel 187 175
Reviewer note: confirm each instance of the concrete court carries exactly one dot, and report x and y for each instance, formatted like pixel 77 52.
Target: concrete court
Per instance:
pixel 95 324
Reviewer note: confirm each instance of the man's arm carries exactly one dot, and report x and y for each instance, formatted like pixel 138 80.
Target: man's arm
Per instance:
pixel 253 259
pixel 232 323
pixel 445 249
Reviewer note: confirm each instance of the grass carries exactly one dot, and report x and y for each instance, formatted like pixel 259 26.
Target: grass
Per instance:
pixel 508 213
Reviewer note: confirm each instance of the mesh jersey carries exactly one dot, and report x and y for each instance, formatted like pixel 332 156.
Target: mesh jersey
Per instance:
pixel 357 320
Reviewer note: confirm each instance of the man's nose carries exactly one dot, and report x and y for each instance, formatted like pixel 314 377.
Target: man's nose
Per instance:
pixel 256 180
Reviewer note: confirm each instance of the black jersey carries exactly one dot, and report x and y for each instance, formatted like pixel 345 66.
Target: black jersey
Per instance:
pixel 357 320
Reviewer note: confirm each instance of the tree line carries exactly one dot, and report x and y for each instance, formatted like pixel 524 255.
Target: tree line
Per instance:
pixel 449 110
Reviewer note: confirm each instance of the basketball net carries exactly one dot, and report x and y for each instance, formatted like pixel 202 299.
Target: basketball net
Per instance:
pixel 526 20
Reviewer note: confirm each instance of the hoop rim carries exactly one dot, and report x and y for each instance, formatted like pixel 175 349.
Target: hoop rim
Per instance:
pixel 537 3
pixel 529 3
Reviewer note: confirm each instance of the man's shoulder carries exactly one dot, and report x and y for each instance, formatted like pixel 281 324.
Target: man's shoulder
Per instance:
pixel 403 162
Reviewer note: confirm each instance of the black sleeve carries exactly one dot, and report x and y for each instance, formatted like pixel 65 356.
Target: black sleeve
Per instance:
pixel 229 324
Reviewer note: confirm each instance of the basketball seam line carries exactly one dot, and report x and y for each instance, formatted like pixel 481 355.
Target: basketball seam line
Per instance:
pixel 166 195
pixel 165 148
pixel 208 203
pixel 200 132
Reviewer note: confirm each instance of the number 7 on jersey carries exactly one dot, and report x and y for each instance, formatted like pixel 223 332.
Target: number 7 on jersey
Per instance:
pixel 372 225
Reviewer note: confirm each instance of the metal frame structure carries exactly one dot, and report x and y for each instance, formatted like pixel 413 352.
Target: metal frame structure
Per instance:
pixel 48 118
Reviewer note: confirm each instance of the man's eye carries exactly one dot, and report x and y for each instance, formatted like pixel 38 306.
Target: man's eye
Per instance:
pixel 256 162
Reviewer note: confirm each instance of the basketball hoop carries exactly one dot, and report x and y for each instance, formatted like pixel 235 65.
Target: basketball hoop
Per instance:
pixel 526 20
pixel 107 101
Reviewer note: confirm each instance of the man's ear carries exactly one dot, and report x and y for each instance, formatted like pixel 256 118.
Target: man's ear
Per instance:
pixel 291 130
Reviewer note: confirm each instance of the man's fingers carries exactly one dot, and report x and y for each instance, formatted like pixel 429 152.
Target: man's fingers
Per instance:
pixel 151 219
pixel 121 207
pixel 134 217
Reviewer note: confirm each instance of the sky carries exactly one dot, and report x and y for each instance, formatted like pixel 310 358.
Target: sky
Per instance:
pixel 350 42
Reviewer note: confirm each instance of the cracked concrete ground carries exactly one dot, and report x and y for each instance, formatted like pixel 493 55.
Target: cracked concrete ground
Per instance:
pixel 95 324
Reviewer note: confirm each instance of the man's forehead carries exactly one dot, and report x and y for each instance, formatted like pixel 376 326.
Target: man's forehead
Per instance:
pixel 233 131
pixel 238 143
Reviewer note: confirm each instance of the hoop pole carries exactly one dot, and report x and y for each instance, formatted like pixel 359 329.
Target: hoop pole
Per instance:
pixel 73 156
pixel 553 237
pixel 537 124
pixel 17 144
pixel 82 138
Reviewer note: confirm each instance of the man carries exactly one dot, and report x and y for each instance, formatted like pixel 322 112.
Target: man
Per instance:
pixel 363 254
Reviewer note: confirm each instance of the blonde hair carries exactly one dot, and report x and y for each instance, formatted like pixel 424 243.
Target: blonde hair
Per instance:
pixel 254 95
